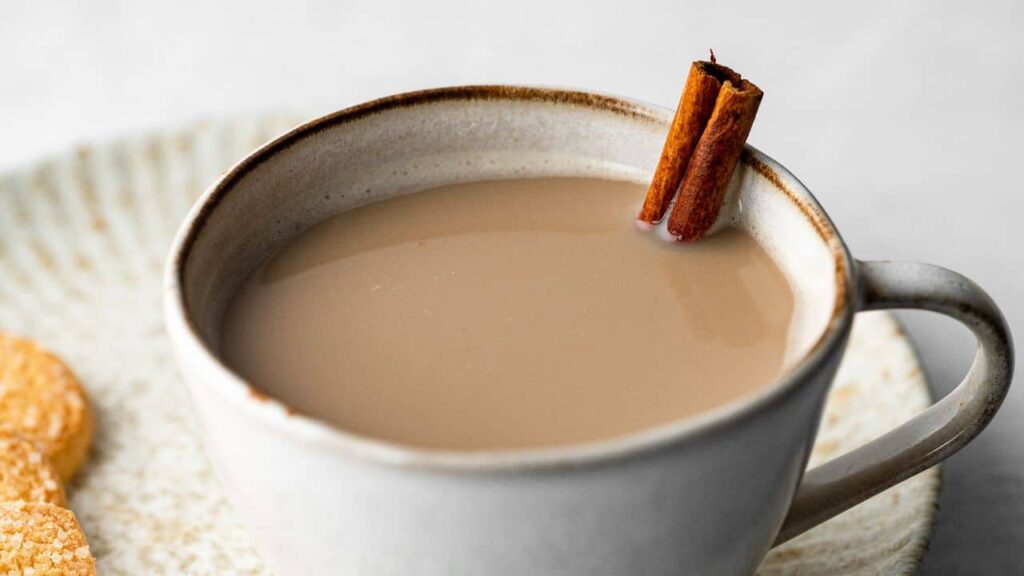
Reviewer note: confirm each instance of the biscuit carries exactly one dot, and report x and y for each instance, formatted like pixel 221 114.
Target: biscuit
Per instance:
pixel 42 540
pixel 25 474
pixel 42 401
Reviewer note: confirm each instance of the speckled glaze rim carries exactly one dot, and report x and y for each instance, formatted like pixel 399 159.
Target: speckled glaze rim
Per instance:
pixel 275 413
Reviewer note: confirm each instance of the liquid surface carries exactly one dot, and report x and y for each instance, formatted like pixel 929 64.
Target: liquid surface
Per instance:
pixel 507 314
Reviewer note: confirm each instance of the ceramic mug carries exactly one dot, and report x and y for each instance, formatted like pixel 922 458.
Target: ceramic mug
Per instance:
pixel 709 494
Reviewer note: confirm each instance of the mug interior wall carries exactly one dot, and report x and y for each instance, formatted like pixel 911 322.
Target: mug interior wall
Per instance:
pixel 348 162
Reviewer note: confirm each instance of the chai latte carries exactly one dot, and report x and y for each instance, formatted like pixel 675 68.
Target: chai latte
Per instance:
pixel 507 314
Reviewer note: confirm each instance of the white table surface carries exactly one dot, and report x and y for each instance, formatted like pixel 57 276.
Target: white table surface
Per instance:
pixel 904 118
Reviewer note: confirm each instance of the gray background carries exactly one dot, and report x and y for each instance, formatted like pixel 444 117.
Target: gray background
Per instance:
pixel 904 118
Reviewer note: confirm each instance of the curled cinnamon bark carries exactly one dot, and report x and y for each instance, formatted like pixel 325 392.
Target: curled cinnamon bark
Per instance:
pixel 713 160
pixel 696 104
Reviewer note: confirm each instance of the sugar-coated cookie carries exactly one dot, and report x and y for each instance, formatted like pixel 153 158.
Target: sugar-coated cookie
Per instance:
pixel 42 540
pixel 42 402
pixel 25 474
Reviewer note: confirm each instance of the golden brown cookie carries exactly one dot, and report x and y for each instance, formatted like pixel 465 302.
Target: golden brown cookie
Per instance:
pixel 42 401
pixel 25 474
pixel 42 540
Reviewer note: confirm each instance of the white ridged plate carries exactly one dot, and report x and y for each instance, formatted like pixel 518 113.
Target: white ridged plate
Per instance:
pixel 83 238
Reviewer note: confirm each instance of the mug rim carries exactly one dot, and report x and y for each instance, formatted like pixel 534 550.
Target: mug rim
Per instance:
pixel 274 412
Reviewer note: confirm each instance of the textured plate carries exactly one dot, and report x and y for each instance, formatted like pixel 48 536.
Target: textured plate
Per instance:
pixel 82 242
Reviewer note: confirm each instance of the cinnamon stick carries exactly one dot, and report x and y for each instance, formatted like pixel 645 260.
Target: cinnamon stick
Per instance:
pixel 696 105
pixel 713 160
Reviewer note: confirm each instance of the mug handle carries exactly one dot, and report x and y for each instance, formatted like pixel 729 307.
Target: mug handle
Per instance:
pixel 938 432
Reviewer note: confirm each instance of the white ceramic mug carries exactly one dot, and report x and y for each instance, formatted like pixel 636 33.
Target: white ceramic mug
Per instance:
pixel 705 495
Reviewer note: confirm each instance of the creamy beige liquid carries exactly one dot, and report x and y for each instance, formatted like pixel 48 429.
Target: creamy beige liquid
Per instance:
pixel 507 314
